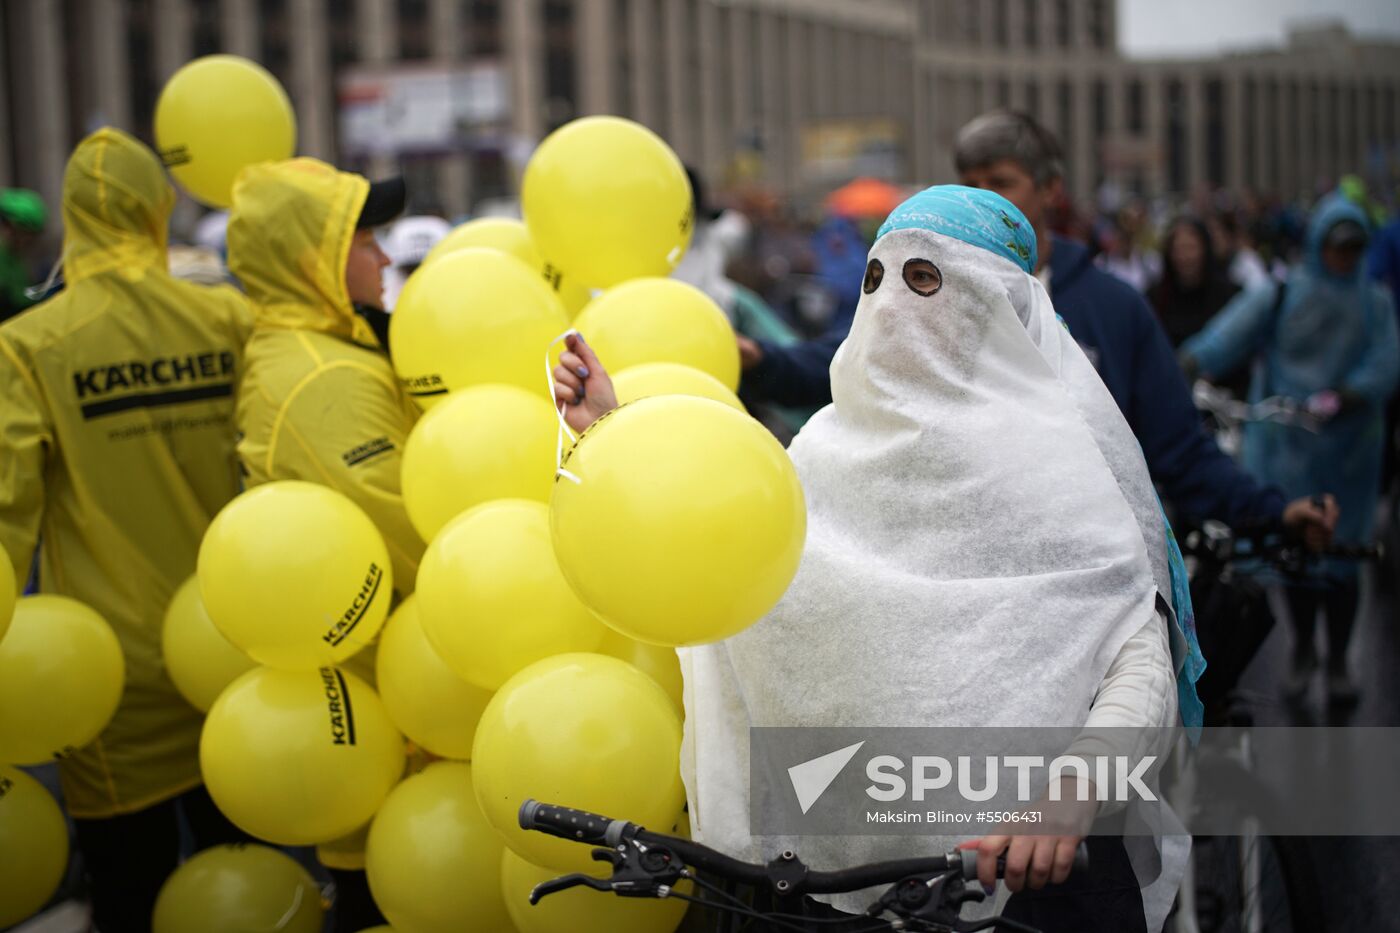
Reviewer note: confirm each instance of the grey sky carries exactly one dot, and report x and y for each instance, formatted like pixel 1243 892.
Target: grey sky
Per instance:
pixel 1201 27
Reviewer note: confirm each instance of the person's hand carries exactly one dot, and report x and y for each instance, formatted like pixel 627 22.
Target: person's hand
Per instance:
pixel 1034 861
pixel 1314 519
pixel 1324 405
pixel 750 352
pixel 581 386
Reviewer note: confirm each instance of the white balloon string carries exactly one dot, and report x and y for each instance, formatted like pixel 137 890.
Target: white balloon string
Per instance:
pixel 559 410
pixel 37 292
pixel 291 911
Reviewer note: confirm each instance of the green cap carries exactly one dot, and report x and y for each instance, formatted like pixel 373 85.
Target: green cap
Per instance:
pixel 23 208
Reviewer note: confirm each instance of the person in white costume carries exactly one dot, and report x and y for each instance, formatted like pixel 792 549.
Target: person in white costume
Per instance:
pixel 984 548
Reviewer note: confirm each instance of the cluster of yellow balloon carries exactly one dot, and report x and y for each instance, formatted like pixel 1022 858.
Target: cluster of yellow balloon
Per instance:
pixel 293 579
pixel 56 648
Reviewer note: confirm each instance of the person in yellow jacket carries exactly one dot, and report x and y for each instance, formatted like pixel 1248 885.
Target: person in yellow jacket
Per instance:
pixel 319 400
pixel 116 450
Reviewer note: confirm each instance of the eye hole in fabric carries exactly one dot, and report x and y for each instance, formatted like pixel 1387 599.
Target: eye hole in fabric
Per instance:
pixel 922 277
pixel 874 274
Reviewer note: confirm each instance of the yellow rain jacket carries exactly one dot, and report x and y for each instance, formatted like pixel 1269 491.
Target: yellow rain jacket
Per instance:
pixel 318 400
pixel 116 450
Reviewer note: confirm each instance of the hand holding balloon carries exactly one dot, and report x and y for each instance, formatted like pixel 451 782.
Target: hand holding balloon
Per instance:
pixel 581 385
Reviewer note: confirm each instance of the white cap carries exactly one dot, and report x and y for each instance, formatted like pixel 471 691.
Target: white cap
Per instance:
pixel 409 240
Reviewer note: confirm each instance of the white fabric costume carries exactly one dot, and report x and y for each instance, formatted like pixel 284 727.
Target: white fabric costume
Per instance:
pixel 984 547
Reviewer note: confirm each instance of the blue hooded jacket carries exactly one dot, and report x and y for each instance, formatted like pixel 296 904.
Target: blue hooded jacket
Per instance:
pixel 1112 322
pixel 1331 332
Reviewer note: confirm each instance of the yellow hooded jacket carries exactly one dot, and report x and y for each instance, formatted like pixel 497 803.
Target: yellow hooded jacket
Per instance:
pixel 318 400
pixel 116 450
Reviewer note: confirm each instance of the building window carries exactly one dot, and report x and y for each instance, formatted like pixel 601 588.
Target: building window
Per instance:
pixel 140 27
pixel 1033 99
pixel 1100 24
pixel 276 44
pixel 341 18
pixel 623 103
pixel 1136 107
pixel 485 29
pixel 1003 93
pixel 206 28
pixel 972 21
pixel 1065 120
pixel 1176 136
pixel 1215 131
pixel 415 30
pixel 560 84
pixel 1030 23
pixel 1272 137
pixel 1100 126
pixel 1248 107
pixel 1063 25
pixel 1001 23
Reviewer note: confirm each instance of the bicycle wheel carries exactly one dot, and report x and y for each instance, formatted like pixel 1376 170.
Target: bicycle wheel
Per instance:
pixel 1255 884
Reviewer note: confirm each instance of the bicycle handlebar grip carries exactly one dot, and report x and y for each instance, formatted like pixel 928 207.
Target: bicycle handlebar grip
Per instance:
pixel 574 825
pixel 969 862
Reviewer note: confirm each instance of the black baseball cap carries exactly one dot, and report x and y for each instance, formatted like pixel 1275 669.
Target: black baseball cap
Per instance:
pixel 385 202
pixel 1346 234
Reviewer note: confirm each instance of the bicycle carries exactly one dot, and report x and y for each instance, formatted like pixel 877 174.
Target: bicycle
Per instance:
pixel 925 895
pixel 1246 883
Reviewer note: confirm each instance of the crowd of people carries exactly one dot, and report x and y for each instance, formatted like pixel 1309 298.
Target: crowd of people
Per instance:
pixel 134 404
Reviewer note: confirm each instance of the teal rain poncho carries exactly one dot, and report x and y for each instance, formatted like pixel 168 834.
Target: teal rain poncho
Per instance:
pixel 1329 333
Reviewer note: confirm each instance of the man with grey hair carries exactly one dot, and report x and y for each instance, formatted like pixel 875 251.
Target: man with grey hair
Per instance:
pixel 1010 153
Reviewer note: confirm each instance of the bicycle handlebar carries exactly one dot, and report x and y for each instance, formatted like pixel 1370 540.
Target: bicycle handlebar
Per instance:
pixel 591 828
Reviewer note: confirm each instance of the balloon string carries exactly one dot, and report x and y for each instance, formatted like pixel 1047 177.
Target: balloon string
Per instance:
pixel 291 911
pixel 37 292
pixel 559 410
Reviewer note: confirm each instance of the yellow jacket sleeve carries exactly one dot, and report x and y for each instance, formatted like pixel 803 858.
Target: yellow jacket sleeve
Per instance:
pixel 345 427
pixel 25 439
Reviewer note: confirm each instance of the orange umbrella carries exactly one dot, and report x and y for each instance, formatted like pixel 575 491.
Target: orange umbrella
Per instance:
pixel 864 197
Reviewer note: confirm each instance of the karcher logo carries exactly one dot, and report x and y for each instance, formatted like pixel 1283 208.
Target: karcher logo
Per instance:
pixel 122 386
pixel 367 451
pixel 419 386
pixel 356 611
pixel 338 704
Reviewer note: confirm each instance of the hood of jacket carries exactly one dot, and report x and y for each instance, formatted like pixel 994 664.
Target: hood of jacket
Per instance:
pixel 289 238
pixel 116 208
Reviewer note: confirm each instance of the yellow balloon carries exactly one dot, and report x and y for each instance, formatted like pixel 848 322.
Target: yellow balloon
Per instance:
pixel 512 236
pixel 33 846
pixel 217 115
pixel 61 677
pixel 472 317
pixel 607 200
pixel 661 321
pixel 684 492
pixel 581 910
pixel 492 597
pixel 200 660
pixel 648 379
pixel 659 662
pixel 295 575
pixel 430 704
pixel 433 861
pixel 236 889
pixel 583 731
pixel 483 443
pixel 299 757
pixel 7 592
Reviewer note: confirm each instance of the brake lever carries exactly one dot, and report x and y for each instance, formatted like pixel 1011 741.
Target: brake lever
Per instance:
pixel 555 885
